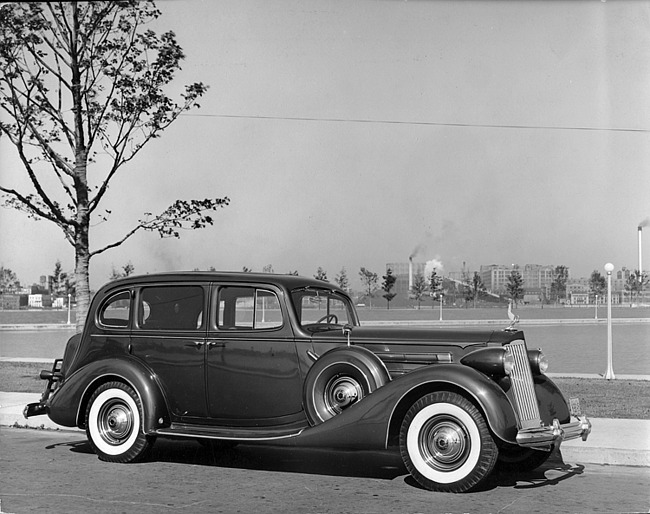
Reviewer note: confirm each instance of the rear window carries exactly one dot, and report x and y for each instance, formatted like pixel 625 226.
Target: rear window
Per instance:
pixel 116 311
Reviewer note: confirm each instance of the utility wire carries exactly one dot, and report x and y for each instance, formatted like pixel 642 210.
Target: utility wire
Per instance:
pixel 421 123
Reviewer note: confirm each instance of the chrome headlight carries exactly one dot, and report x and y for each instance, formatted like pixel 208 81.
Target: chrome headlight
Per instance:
pixel 493 360
pixel 538 361
pixel 508 362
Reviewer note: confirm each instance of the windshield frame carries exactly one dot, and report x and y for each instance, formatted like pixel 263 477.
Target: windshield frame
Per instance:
pixel 299 293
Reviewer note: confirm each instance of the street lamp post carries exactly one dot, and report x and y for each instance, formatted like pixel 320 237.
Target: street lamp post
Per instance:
pixel 69 295
pixel 609 375
pixel 596 314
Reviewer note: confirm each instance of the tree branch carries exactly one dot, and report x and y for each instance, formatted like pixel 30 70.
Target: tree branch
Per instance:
pixel 181 215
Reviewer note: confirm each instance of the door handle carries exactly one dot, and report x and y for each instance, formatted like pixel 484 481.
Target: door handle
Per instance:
pixel 213 344
pixel 196 344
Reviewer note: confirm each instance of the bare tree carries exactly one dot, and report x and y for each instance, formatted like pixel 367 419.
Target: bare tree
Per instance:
pixel 321 274
pixel 82 91
pixel 369 281
pixel 124 271
pixel 475 288
pixel 435 286
pixel 635 283
pixel 9 282
pixel 558 286
pixel 515 286
pixel 418 288
pixel 387 286
pixel 342 280
pixel 597 285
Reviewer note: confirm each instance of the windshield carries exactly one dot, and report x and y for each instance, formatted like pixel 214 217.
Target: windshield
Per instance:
pixel 322 307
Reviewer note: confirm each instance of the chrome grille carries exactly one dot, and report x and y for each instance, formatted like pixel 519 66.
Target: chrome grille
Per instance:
pixel 523 387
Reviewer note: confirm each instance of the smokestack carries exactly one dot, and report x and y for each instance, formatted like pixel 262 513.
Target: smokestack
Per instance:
pixel 410 273
pixel 640 260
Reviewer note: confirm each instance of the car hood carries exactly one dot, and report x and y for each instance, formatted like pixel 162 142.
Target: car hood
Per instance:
pixel 399 335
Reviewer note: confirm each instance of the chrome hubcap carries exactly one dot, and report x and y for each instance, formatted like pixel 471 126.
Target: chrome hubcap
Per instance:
pixel 341 392
pixel 444 443
pixel 115 422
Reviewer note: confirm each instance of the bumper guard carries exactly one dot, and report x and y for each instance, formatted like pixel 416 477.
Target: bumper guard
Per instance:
pixel 52 377
pixel 544 436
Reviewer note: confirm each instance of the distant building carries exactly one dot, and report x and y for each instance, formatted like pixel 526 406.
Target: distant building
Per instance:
pixel 9 302
pixel 620 278
pixel 536 278
pixel 579 298
pixel 401 273
pixel 38 301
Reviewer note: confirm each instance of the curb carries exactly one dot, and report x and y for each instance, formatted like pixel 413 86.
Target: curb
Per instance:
pixel 11 413
pixel 503 323
pixel 616 442
pixel 37 326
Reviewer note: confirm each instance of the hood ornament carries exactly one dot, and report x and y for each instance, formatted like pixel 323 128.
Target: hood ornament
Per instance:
pixel 514 319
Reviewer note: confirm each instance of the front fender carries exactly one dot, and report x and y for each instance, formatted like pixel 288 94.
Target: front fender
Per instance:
pixel 551 401
pixel 68 406
pixel 375 421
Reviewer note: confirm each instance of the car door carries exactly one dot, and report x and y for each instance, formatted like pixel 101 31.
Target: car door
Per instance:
pixel 253 376
pixel 170 338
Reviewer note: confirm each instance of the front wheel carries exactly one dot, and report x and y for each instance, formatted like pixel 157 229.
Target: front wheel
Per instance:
pixel 445 443
pixel 114 424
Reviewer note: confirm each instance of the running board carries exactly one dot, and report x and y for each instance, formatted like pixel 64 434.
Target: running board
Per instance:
pixel 234 434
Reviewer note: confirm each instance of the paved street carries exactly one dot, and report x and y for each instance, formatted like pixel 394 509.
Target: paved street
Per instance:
pixel 57 472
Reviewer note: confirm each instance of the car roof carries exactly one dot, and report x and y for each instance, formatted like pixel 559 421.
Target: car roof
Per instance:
pixel 289 282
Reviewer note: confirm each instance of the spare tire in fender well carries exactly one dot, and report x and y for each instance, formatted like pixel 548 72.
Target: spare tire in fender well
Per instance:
pixel 339 378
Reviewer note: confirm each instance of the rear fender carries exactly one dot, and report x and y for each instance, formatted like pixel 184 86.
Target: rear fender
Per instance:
pixel 68 406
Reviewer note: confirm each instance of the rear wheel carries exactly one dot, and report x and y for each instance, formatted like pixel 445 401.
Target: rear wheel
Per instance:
pixel 114 424
pixel 445 443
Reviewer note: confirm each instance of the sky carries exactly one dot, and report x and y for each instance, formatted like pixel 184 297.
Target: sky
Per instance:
pixel 350 134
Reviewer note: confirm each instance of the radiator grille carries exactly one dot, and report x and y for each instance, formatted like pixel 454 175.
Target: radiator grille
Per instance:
pixel 523 387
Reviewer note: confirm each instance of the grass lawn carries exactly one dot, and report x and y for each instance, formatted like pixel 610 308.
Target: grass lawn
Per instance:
pixel 599 398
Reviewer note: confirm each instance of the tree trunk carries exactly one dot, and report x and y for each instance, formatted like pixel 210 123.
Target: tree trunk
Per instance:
pixel 82 262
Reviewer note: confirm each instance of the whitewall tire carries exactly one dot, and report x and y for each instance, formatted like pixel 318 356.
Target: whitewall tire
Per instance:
pixel 445 443
pixel 114 424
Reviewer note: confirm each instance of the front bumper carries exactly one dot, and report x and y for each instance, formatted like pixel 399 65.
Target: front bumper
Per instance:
pixel 545 436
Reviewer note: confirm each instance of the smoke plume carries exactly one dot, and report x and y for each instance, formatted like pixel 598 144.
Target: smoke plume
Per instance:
pixel 418 249
pixel 433 264
pixel 644 223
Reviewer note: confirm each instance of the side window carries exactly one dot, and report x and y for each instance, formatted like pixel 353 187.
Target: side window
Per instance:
pixel 267 310
pixel 248 308
pixel 116 311
pixel 171 308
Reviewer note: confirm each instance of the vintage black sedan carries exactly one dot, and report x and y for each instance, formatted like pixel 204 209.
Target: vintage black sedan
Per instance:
pixel 279 358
